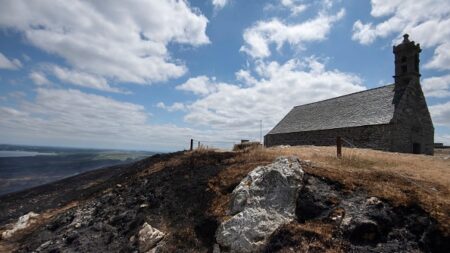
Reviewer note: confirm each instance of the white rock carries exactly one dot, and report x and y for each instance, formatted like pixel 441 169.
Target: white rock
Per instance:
pixel 346 221
pixel 43 246
pixel 216 248
pixel 264 200
pixel 24 222
pixel 149 237
pixel 373 201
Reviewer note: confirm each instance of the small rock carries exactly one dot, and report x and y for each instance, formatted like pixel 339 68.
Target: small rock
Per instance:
pixel 109 238
pixel 61 221
pixel 305 163
pixel 71 237
pixel 346 221
pixel 363 231
pixel 216 248
pixel 24 222
pixel 337 215
pixel 373 201
pixel 43 246
pixel 149 237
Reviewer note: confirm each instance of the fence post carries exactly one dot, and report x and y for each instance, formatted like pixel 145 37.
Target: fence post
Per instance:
pixel 339 146
pixel 192 144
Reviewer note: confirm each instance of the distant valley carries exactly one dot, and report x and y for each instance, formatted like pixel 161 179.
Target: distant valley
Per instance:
pixel 23 167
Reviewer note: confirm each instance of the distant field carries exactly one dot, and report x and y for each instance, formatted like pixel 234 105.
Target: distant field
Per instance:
pixel 32 169
pixel 442 153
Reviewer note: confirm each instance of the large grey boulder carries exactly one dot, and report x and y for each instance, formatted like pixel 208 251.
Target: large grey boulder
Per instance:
pixel 264 200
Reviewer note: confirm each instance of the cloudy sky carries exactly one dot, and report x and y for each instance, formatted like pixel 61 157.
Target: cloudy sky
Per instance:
pixel 153 74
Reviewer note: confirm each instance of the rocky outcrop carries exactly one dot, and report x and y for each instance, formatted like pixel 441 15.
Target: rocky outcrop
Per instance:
pixel 264 200
pixel 149 238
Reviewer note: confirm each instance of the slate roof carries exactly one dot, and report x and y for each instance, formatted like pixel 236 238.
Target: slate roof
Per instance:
pixel 369 107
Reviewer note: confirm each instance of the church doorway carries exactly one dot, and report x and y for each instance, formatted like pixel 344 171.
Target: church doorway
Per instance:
pixel 416 148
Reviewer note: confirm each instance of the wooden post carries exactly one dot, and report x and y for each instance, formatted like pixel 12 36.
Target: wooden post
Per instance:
pixel 339 146
pixel 192 144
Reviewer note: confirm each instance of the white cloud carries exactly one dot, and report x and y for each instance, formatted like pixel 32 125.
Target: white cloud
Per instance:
pixel 26 57
pixel 200 85
pixel 83 79
pixel 445 138
pixel 219 4
pixel 171 108
pixel 246 77
pixel 273 90
pixel 441 58
pixel 59 117
pixel 364 33
pixel 124 41
pixel 39 78
pixel 441 114
pixel 437 86
pixel 260 36
pixel 17 95
pixel 294 6
pixel 6 63
pixel 427 22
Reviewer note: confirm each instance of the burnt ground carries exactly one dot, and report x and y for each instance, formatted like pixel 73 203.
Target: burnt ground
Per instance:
pixel 60 193
pixel 171 194
pixel 185 195
pixel 331 219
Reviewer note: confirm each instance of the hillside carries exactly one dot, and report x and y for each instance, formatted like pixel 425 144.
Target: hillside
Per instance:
pixel 187 195
pixel 23 167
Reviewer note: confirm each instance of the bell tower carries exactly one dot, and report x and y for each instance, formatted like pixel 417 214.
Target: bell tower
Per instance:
pixel 406 63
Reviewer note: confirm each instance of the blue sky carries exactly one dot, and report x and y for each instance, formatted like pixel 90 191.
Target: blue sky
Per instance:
pixel 153 74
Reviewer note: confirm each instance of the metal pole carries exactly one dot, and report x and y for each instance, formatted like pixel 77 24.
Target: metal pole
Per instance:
pixel 339 146
pixel 192 144
pixel 260 131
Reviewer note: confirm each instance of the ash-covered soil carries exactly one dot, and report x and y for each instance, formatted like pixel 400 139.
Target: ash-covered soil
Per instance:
pixel 185 196
pixel 331 219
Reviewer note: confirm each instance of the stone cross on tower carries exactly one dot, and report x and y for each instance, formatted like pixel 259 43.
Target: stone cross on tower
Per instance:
pixel 406 63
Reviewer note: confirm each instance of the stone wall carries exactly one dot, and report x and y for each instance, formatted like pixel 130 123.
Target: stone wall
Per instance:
pixel 412 122
pixel 375 137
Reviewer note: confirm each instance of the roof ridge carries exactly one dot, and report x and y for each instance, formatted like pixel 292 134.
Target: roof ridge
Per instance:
pixel 345 95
